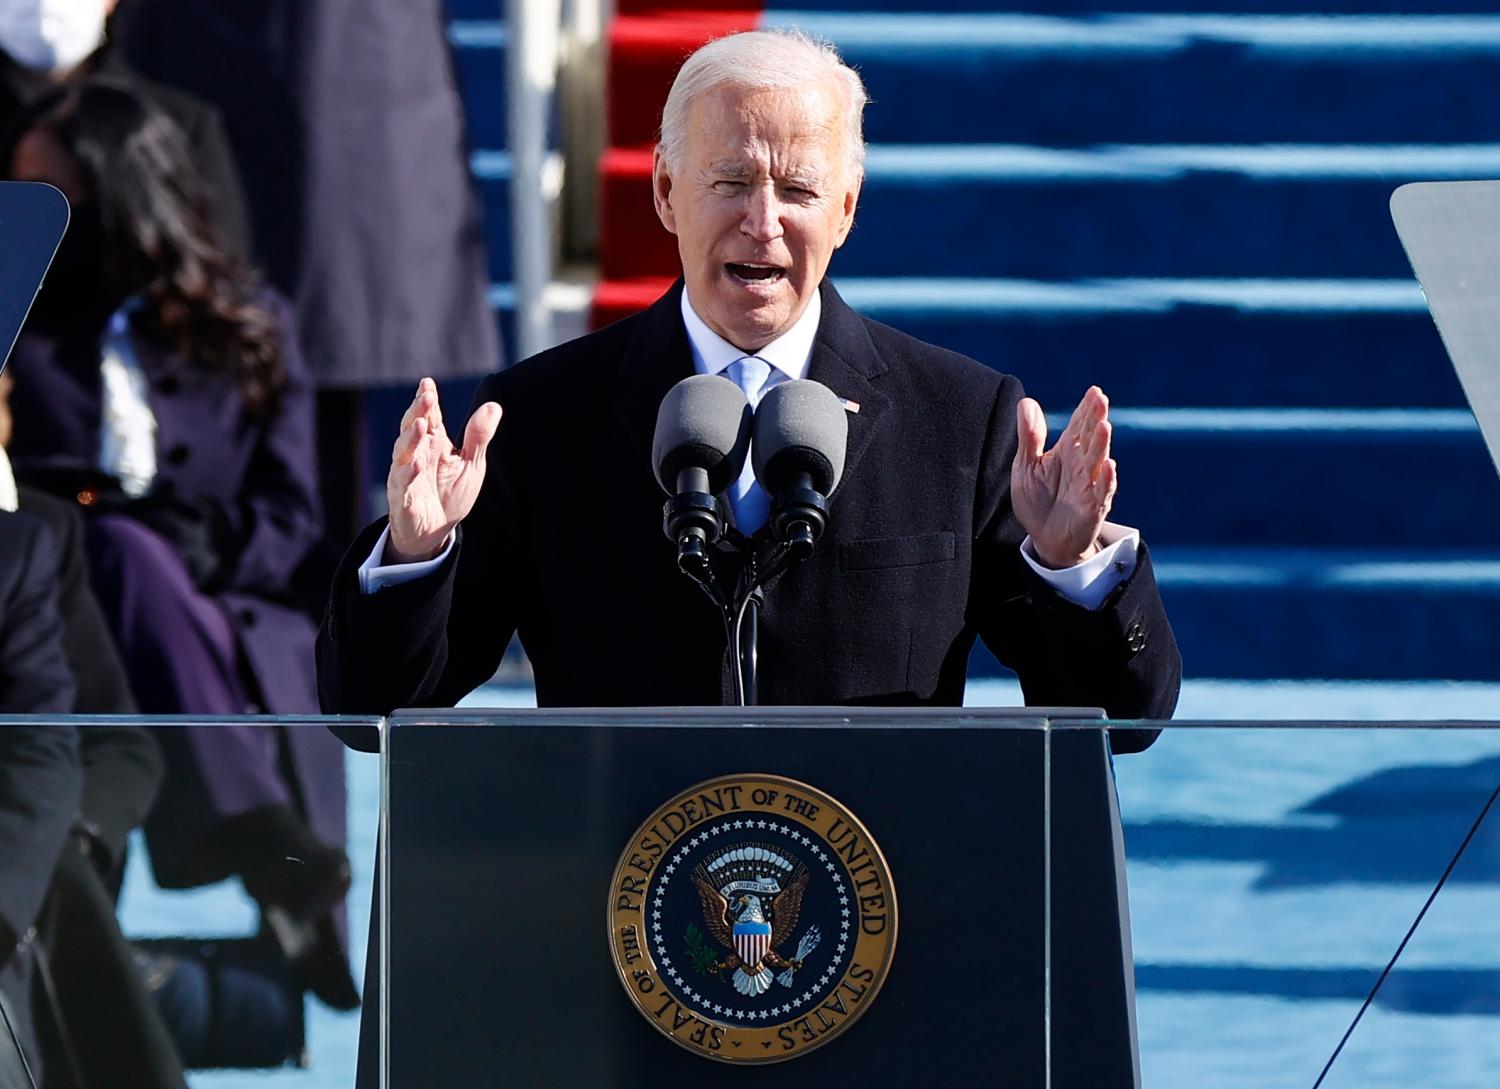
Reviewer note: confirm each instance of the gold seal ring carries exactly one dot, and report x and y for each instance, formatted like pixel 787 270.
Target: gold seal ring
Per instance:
pixel 752 918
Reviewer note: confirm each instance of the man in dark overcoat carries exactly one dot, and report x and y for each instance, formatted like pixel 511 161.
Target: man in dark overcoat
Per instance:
pixel 952 520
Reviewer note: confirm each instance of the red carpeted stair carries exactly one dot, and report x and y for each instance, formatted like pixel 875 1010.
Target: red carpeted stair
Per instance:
pixel 648 42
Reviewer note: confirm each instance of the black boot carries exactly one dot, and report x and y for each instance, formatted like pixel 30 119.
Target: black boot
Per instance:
pixel 284 865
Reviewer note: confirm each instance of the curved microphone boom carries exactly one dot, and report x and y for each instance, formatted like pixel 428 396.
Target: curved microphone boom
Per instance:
pixel 801 437
pixel 701 441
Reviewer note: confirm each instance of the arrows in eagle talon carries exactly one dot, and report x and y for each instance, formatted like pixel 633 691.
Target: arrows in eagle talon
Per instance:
pixel 806 945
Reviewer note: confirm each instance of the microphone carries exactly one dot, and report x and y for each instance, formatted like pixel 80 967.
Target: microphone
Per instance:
pixel 701 441
pixel 801 437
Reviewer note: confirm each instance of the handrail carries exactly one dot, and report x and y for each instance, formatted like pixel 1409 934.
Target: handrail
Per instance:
pixel 533 28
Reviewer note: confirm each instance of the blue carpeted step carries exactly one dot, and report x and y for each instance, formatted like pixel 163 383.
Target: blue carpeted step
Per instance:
pixel 463 10
pixel 1045 213
pixel 479 63
pixel 1140 211
pixel 1387 478
pixel 491 170
pixel 1358 344
pixel 1314 614
pixel 1159 79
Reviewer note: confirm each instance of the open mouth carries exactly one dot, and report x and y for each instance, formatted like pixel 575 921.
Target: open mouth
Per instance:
pixel 750 273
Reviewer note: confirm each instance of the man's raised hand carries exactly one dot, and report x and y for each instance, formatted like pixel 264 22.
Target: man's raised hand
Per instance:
pixel 1062 496
pixel 432 484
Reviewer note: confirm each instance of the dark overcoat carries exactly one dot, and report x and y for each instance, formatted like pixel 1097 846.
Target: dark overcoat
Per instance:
pixel 921 556
pixel 345 118
pixel 41 779
pixel 34 674
pixel 40 783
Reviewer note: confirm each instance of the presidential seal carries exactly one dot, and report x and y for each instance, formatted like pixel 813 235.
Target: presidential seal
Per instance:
pixel 752 918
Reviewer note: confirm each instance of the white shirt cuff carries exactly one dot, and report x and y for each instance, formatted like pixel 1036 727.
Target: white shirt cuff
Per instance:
pixel 1091 581
pixel 374 575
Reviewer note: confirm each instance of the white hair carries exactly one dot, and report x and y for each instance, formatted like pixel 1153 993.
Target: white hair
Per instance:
pixel 765 60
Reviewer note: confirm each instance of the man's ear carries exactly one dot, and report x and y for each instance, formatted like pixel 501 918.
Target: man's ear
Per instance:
pixel 846 219
pixel 661 190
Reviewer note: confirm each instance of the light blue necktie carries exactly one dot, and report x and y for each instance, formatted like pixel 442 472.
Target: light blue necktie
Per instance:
pixel 750 502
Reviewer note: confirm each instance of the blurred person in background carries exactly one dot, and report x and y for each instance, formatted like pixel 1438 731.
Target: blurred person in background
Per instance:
pixel 40 783
pixel 46 43
pixel 41 778
pixel 98 673
pixel 102 1003
pixel 346 121
pixel 160 385
pixel 105 1029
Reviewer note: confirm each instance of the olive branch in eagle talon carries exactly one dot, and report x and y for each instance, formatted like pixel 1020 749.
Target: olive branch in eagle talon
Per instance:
pixel 721 918
pixel 700 954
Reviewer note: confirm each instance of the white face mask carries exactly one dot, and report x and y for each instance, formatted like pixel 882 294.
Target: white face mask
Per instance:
pixel 51 35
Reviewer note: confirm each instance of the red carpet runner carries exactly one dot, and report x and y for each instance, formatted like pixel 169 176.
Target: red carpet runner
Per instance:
pixel 648 41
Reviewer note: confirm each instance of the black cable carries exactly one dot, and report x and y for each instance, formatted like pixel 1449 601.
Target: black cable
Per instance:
pixel 710 586
pixel 752 579
pixel 737 647
pixel 1412 930
pixel 733 620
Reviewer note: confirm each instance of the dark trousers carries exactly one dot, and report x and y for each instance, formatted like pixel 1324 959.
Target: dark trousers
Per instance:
pixel 109 1034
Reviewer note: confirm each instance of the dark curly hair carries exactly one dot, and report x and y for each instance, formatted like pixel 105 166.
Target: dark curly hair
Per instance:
pixel 200 299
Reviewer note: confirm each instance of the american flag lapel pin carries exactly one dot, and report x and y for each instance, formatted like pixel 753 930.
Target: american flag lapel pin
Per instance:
pixel 852 406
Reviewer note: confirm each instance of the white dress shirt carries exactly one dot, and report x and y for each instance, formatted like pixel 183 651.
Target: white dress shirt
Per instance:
pixel 789 356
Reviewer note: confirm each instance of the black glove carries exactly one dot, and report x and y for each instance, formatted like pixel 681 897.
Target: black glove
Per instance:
pixel 198 529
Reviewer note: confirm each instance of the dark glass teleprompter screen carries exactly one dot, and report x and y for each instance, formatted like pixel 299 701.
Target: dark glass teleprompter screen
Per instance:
pixel 33 218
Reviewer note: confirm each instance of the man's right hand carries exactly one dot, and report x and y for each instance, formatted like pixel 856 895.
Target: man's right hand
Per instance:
pixel 432 485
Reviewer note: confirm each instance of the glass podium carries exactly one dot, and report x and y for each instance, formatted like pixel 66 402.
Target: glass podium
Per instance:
pixel 140 957
pixel 1276 869
pixel 1273 869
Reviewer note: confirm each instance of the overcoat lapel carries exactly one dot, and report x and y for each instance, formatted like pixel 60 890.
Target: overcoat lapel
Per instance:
pixel 845 360
pixel 656 358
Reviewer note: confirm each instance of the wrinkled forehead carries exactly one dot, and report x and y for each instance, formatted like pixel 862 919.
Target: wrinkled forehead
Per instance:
pixel 768 126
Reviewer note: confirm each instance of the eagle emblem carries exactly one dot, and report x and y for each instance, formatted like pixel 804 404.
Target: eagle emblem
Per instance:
pixel 751 897
pixel 752 918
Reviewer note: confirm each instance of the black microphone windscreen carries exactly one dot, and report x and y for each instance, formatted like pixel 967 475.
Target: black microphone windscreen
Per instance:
pixel 800 427
pixel 703 423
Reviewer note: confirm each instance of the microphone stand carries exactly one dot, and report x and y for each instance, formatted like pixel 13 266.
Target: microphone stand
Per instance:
pixel 740 611
pixel 749 599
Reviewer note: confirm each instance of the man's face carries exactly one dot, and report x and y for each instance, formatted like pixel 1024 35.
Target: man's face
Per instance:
pixel 759 201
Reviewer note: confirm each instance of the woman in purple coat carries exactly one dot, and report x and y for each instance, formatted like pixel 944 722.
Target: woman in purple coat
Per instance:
pixel 159 384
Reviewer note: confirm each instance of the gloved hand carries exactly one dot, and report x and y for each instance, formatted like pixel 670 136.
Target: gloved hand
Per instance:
pixel 198 529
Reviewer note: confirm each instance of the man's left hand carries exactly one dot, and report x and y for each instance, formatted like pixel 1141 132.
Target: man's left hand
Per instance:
pixel 1063 496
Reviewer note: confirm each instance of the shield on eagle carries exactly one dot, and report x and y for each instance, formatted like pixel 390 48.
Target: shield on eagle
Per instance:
pixel 752 940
